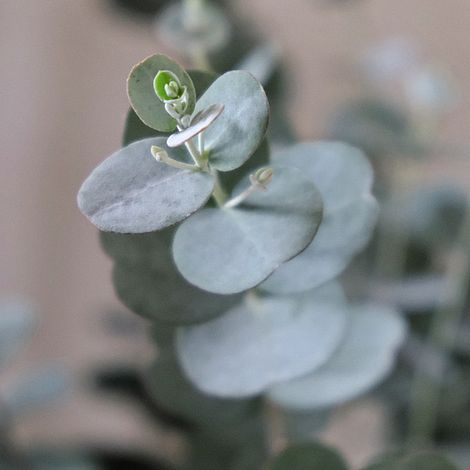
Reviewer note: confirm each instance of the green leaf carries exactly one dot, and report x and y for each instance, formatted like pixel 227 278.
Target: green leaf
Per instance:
pixel 428 461
pixel 238 132
pixel 375 126
pixel 364 358
pixel 147 281
pixel 202 80
pixel 231 250
pixel 135 129
pixel 163 83
pixel 165 296
pixel 308 456
pixel 301 425
pixel 142 96
pixel 343 177
pixel 147 250
pixel 263 341
pixel 132 193
pixel 170 389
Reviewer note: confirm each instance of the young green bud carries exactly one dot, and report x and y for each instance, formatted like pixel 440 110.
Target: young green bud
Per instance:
pixel 167 86
pixel 262 177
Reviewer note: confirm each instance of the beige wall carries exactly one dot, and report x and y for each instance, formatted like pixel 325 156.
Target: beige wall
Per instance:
pixel 63 102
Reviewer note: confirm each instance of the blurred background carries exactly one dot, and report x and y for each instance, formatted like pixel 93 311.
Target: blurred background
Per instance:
pixel 64 105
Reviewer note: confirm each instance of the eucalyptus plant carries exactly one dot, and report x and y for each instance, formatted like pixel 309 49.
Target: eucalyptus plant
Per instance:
pixel 232 254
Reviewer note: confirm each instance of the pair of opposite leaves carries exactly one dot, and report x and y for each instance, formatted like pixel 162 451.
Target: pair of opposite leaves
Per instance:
pixel 130 192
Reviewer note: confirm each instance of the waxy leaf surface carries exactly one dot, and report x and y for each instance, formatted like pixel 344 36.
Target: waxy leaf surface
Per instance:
pixel 365 356
pixel 343 177
pixel 239 130
pixel 130 192
pixel 231 250
pixel 263 341
pixel 142 95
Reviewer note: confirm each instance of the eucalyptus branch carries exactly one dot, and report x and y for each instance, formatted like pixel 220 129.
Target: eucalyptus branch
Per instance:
pixel 219 194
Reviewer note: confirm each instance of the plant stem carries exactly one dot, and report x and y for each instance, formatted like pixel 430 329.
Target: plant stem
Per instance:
pixel 219 194
pixel 445 325
pixel 194 152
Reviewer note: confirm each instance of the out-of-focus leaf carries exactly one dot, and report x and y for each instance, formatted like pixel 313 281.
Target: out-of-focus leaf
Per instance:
pixel 17 324
pixel 165 296
pixel 263 341
pixel 261 62
pixel 231 250
pixel 308 456
pixel 430 214
pixel 130 192
pixel 191 30
pixel 428 461
pixel 376 127
pixel 364 357
pixel 36 389
pixel 301 425
pixel 173 392
pixel 147 281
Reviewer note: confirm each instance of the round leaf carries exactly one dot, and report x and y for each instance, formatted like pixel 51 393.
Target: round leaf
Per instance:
pixel 132 193
pixel 146 104
pixel 135 129
pixel 231 250
pixel 375 126
pixel 343 177
pixel 237 133
pixel 147 281
pixel 365 357
pixel 174 393
pixel 165 296
pixel 262 342
pixel 308 456
pixel 147 250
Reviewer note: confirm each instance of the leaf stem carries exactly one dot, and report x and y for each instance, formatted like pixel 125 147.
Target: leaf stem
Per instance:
pixel 193 151
pixel 161 156
pixel 443 333
pixel 241 197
